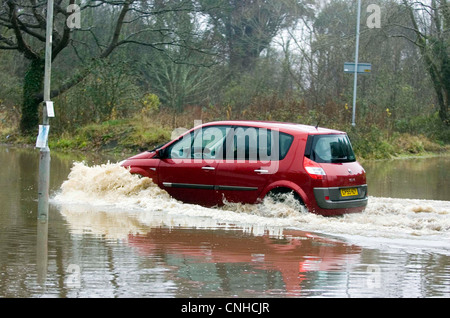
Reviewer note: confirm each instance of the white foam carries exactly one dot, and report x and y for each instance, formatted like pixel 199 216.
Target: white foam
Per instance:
pixel 112 189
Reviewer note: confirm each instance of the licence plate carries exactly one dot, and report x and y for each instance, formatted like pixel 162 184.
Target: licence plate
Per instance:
pixel 348 192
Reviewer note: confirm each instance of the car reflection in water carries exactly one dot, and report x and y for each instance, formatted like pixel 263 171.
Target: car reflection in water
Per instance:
pixel 211 258
pixel 243 261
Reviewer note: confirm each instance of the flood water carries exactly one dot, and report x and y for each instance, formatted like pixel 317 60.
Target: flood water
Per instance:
pixel 111 234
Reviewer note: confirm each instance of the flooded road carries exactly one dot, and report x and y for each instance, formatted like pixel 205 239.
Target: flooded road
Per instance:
pixel 111 234
pixel 419 178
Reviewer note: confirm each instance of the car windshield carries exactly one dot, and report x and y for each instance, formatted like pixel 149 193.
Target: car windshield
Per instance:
pixel 332 149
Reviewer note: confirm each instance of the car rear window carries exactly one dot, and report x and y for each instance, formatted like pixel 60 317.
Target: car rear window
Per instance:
pixel 331 149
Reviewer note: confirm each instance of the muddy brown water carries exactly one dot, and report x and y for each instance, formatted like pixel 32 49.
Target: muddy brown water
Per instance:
pixel 112 235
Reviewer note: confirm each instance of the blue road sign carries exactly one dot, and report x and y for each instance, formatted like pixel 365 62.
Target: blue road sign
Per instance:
pixel 363 68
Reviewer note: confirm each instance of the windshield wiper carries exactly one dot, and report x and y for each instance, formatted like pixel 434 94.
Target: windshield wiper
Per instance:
pixel 341 159
pixel 157 147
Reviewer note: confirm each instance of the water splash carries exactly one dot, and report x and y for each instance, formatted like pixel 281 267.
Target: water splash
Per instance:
pixel 113 188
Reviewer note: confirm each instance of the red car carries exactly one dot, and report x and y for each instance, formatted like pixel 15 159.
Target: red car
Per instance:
pixel 244 161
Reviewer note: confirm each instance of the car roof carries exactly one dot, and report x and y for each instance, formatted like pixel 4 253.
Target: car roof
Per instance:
pixel 292 128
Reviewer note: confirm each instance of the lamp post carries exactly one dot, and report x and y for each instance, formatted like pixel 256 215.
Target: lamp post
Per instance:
pixel 44 158
pixel 355 80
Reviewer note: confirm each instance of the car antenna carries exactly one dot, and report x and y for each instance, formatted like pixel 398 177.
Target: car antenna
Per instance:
pixel 317 126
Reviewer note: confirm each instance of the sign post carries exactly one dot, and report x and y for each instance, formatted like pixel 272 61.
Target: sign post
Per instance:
pixel 42 142
pixel 355 80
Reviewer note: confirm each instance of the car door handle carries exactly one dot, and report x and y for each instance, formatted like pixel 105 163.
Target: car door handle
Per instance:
pixel 261 171
pixel 208 168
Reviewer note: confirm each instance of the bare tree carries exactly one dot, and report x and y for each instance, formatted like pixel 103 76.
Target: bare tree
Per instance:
pixel 429 29
pixel 247 27
pixel 22 28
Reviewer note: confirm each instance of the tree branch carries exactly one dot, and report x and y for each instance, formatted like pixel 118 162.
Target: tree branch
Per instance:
pixel 117 29
pixel 64 40
pixel 22 46
pixel 39 18
pixel 9 42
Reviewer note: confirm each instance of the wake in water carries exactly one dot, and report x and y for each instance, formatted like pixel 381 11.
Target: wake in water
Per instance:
pixel 113 188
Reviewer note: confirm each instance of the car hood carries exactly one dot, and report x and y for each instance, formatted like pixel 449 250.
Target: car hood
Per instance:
pixel 143 155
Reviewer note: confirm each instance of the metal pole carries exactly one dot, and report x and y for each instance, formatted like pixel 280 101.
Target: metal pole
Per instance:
pixel 355 81
pixel 44 158
pixel 42 252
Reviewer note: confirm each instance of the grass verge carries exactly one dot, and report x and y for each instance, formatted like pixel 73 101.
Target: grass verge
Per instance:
pixel 140 133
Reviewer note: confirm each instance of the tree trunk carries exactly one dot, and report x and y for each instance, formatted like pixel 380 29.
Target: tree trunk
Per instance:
pixel 440 77
pixel 435 51
pixel 443 93
pixel 32 87
pixel 444 107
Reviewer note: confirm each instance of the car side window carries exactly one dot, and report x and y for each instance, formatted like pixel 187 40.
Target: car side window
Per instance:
pixel 252 143
pixel 285 144
pixel 206 143
pixel 246 143
pixel 243 143
pixel 181 149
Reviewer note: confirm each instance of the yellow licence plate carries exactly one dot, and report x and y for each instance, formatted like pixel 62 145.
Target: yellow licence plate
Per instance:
pixel 349 192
